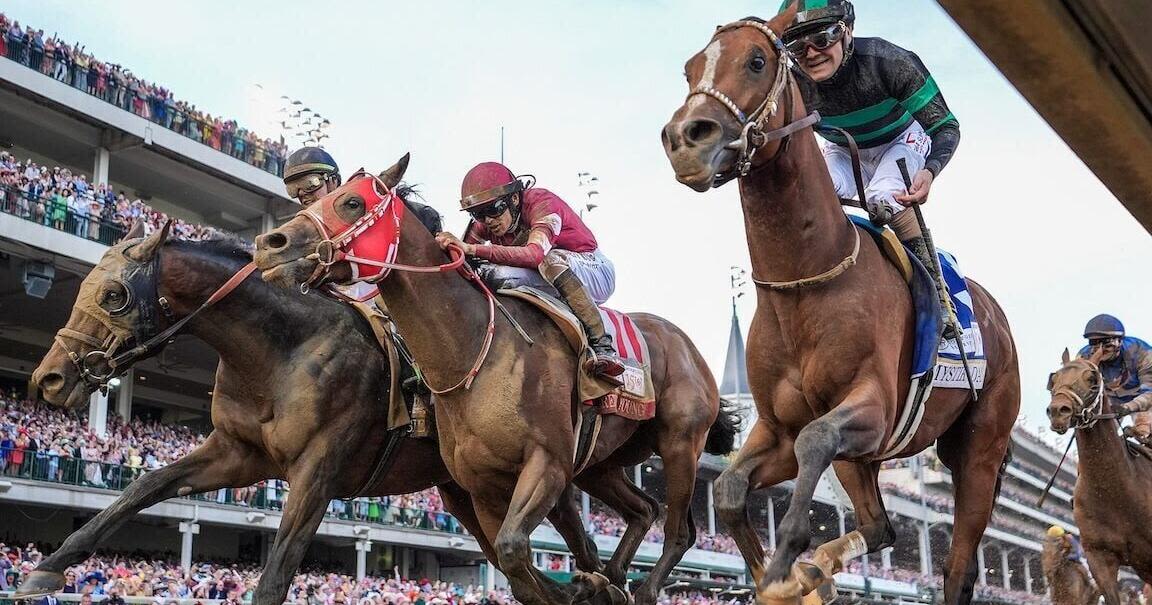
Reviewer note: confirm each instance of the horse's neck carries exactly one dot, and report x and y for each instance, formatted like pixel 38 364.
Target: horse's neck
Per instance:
pixel 239 325
pixel 441 316
pixel 792 216
pixel 1102 449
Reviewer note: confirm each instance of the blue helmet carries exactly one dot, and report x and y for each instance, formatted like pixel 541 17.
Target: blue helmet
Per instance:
pixel 308 160
pixel 1104 326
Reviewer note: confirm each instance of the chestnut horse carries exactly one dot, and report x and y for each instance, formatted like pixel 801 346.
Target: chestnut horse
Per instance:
pixel 1067 580
pixel 506 433
pixel 1113 498
pixel 829 355
pixel 289 402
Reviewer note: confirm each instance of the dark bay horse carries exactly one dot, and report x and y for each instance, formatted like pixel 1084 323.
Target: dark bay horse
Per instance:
pixel 508 438
pixel 1112 503
pixel 1067 580
pixel 829 355
pixel 290 402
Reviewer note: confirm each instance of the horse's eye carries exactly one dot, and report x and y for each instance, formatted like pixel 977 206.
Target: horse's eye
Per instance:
pixel 757 64
pixel 113 298
pixel 353 204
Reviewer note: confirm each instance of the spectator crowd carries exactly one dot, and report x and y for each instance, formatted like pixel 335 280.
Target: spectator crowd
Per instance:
pixel 58 198
pixel 72 65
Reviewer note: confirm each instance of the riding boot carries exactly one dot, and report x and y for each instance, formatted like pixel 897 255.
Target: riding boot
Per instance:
pixel 919 247
pixel 604 362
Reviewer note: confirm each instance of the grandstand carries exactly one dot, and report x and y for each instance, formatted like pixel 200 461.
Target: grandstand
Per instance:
pixel 135 165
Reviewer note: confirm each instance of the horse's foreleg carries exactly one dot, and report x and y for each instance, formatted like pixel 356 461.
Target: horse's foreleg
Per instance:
pixel 567 521
pixel 1105 566
pixel 458 502
pixel 219 462
pixel 311 492
pixel 611 485
pixel 540 484
pixel 848 430
pixel 765 459
pixel 679 456
pixel 874 529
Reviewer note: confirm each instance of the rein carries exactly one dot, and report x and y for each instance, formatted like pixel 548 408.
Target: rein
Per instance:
pixel 753 135
pixel 331 250
pixel 106 349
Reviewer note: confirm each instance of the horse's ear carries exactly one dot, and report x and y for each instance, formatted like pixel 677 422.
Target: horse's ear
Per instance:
pixel 147 249
pixel 780 22
pixel 1067 356
pixel 395 174
pixel 137 230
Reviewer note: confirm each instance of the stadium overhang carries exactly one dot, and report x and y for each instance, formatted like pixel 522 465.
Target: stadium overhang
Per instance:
pixel 1086 66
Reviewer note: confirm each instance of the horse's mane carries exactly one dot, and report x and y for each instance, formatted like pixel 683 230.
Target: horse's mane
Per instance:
pixel 428 216
pixel 221 245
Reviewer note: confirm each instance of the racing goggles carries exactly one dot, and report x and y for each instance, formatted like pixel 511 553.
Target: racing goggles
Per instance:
pixel 492 210
pixel 1108 341
pixel 304 185
pixel 819 39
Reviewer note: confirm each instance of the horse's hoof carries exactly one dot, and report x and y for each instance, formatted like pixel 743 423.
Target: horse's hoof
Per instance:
pixel 810 576
pixel 594 580
pixel 40 583
pixel 784 592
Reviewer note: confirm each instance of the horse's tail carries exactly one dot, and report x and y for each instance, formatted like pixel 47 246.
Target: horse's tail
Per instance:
pixel 722 434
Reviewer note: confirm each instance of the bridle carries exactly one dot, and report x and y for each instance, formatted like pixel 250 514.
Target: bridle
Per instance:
pixel 146 330
pixel 1088 415
pixel 753 135
pixel 339 237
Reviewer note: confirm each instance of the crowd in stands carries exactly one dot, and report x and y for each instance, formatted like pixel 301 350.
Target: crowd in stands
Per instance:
pixel 115 84
pixel 607 523
pixel 68 201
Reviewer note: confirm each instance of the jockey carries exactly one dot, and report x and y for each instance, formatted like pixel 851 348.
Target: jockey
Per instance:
pixel 1075 550
pixel 885 98
pixel 310 173
pixel 1126 366
pixel 530 232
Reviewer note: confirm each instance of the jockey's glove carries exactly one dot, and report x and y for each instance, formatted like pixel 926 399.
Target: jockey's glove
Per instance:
pixel 1123 409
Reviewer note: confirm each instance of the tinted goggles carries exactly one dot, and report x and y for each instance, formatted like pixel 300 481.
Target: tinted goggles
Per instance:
pixel 492 210
pixel 304 185
pixel 1104 342
pixel 819 39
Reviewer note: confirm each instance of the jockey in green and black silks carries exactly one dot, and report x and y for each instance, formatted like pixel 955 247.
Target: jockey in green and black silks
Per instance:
pixel 884 97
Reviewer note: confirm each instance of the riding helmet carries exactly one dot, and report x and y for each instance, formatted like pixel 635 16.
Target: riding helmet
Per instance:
pixel 1103 326
pixel 816 12
pixel 488 182
pixel 307 160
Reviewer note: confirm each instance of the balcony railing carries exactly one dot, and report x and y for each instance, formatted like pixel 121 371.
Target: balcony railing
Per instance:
pixel 51 213
pixel 137 98
pixel 67 470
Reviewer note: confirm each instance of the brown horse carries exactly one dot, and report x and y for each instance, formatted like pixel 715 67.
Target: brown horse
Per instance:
pixel 289 402
pixel 508 438
pixel 1067 580
pixel 829 355
pixel 1113 498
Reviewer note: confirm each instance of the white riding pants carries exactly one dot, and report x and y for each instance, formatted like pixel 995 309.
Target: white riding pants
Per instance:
pixel 882 180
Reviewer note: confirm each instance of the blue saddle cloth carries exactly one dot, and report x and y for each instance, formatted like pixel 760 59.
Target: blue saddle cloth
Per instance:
pixel 929 316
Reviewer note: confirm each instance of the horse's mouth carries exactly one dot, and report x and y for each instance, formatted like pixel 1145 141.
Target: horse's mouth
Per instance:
pixel 1060 428
pixel 289 273
pixel 701 174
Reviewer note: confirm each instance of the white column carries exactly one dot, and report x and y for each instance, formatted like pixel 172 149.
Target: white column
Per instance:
pixel 1028 574
pixel 771 524
pixel 124 395
pixel 489 576
pixel 187 529
pixel 98 413
pixel 100 167
pixel 267 222
pixel 983 566
pixel 925 551
pixel 406 562
pixel 711 510
pixel 1004 570
pixel 637 475
pixel 840 519
pixel 886 559
pixel 586 510
pixel 363 547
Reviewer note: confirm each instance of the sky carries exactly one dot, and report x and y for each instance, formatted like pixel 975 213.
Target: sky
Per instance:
pixel 586 87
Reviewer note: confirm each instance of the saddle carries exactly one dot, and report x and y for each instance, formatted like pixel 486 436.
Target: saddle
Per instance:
pixel 409 400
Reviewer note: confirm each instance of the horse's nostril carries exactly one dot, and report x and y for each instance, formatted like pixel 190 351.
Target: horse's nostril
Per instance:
pixel 1064 410
pixel 276 240
pixel 52 382
pixel 701 131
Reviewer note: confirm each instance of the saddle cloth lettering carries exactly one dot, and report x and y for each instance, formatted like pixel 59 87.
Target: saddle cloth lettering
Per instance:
pixel 636 399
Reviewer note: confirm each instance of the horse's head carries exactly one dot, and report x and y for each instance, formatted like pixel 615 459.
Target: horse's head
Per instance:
pixel 734 104
pixel 1077 390
pixel 330 239
pixel 117 305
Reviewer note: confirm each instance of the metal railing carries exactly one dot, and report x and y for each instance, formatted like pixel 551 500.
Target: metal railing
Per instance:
pixel 131 96
pixel 46 467
pixel 55 213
